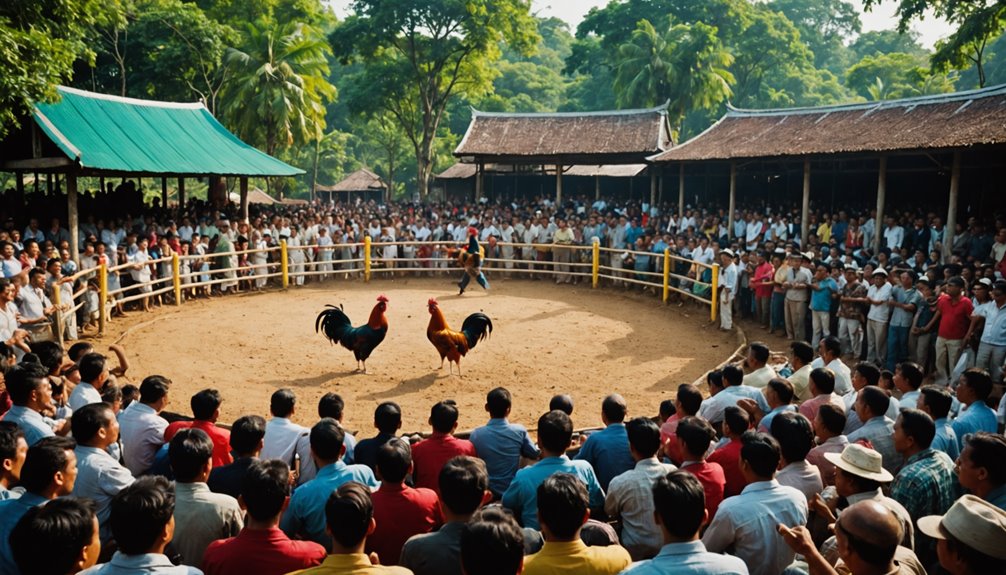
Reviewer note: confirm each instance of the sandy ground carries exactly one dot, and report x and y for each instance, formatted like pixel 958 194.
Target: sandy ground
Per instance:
pixel 547 339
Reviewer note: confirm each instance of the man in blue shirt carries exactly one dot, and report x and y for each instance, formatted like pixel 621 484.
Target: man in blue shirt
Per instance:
pixel 936 401
pixel 992 348
pixel 607 451
pixel 973 390
pixel 31 393
pixel 905 300
pixel 823 288
pixel 981 467
pixel 555 433
pixel 500 443
pixel 305 516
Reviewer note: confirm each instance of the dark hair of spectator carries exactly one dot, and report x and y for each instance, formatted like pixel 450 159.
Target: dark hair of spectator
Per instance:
pixel 783 389
pixel 562 504
pixel 832 417
pixel 614 409
pixel 912 373
pixel 50 354
pixel 47 540
pixel 794 434
pixel 562 402
pixel 153 388
pixel 555 431
pixel 869 371
pixel 690 398
pixel 44 460
pixel 326 439
pixel 92 365
pixel 802 351
pixel 23 379
pixel 917 424
pixel 697 434
pixel 9 435
pixel 760 351
pixel 247 434
pixel 463 482
pixel 265 487
pixel 876 399
pixel 761 452
pixel 498 402
pixel 979 381
pixel 492 543
pixel 388 417
pixel 444 415
pixel 667 408
pixel 938 400
pixel 205 403
pixel 988 450
pixel 833 346
pixel 736 420
pixel 78 350
pixel 86 422
pixel 680 500
pixel 644 436
pixel 282 402
pixel 188 453
pixel 714 378
pixel 331 405
pixel 733 375
pixel 348 512
pixel 823 379
pixel 140 512
pixel 393 460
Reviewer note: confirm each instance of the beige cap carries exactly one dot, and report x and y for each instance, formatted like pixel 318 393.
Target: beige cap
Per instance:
pixel 862 462
pixel 972 521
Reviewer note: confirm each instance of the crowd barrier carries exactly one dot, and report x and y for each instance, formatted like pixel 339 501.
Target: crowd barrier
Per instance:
pixel 177 276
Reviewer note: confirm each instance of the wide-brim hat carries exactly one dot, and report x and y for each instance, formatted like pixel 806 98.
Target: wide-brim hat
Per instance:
pixel 728 252
pixel 862 462
pixel 974 522
pixel 879 272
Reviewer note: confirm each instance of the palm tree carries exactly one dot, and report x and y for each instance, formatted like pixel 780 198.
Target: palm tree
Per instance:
pixel 278 88
pixel 687 66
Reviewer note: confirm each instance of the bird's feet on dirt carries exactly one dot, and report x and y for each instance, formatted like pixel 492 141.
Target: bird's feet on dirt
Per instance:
pixel 461 289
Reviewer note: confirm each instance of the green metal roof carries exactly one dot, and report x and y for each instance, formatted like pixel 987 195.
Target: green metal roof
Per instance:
pixel 110 133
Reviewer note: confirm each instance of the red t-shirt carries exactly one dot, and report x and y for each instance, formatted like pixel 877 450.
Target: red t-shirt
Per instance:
pixel 430 455
pixel 710 475
pixel 400 512
pixel 729 458
pixel 260 551
pixel 669 439
pixel 954 317
pixel 221 438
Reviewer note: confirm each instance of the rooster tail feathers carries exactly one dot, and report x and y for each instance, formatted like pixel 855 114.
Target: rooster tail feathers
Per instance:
pixel 333 322
pixel 476 327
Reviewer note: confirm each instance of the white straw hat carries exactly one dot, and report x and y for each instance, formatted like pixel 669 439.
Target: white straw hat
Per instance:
pixel 861 462
pixel 974 522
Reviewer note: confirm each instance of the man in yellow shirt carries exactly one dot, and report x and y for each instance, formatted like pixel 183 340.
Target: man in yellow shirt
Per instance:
pixel 349 514
pixel 562 511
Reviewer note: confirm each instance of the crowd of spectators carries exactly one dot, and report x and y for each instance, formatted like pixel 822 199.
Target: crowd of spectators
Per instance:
pixel 849 453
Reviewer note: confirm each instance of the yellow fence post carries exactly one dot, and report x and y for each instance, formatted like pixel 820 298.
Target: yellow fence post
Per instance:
pixel 595 264
pixel 366 258
pixel 102 296
pixel 716 285
pixel 57 328
pixel 667 274
pixel 176 274
pixel 284 264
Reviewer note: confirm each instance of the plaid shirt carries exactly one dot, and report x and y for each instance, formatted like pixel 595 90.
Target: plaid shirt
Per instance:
pixel 926 485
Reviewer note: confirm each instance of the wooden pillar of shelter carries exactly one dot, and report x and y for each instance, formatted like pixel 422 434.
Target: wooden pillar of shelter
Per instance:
pixel 164 192
pixel 951 223
pixel 805 212
pixel 660 185
pixel 731 208
pixel 479 182
pixel 653 187
pixel 72 217
pixel 878 234
pixel 558 185
pixel 597 188
pixel 181 193
pixel 19 182
pixel 244 199
pixel 681 191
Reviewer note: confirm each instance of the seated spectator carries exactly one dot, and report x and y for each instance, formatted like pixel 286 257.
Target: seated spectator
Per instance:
pixel 332 405
pixel 679 500
pixel 628 494
pixel 13 450
pixel 500 443
pixel 828 426
pixel 687 402
pixel 429 455
pixel 100 477
pixel 261 547
pixel 492 544
pixel 563 402
pixel 305 517
pixel 607 451
pixel 49 472
pixel 246 439
pixel 908 378
pixel 801 356
pixel 387 420
pixel 712 408
pixel 759 373
pixel 973 391
pixel 93 375
pixel 201 516
pixel 142 427
pixel 871 405
pixel 925 485
pixel 142 526
pixel 349 519
pixel 695 435
pixel 822 390
pixel 981 467
pixel 779 395
pixel 831 357
pixel 736 422
pixel 971 537
pixel 555 433
pixel 936 401
pixel 864 374
pixel 60 537
pixel 796 438
pixel 284 439
pixel 31 395
pixel 746 524
pixel 464 488
pixel 399 510
pixel 206 410
pixel 563 509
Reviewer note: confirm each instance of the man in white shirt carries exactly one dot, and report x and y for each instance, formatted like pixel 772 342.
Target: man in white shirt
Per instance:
pixel 830 349
pixel 284 439
pixel 876 320
pixel 728 289
pixel 93 374
pixel 34 307
pixel 796 438
pixel 732 378
pixel 757 360
pixel 99 476
pixel 11 265
pixel 894 235
pixel 142 427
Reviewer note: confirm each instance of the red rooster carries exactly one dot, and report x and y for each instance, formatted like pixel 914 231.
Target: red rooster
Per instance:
pixel 451 344
pixel 360 340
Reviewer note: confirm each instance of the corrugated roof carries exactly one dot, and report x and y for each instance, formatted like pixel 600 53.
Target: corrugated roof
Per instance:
pixel 362 180
pixel 575 137
pixel 955 120
pixel 125 135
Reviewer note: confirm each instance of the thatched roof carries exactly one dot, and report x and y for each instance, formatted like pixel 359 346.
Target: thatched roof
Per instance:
pixel 962 119
pixel 255 196
pixel 607 171
pixel 610 137
pixel 362 180
pixel 458 171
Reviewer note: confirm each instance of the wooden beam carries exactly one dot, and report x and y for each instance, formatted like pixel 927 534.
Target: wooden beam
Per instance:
pixel 37 164
pixel 71 210
pixel 805 213
pixel 951 223
pixel 244 199
pixel 732 206
pixel 164 193
pixel 181 193
pixel 558 185
pixel 681 192
pixel 597 188
pixel 878 227
pixel 653 186
pixel 479 181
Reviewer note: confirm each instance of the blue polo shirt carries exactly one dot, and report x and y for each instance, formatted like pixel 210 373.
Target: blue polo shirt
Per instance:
pixel 820 300
pixel 501 444
pixel 305 516
pixel 11 511
pixel 977 417
pixel 607 451
pixel 522 496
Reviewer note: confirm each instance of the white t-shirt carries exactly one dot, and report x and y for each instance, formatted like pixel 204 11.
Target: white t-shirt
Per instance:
pixel 883 311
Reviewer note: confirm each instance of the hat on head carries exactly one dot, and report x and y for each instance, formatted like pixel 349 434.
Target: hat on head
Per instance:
pixel 985 282
pixel 728 252
pixel 880 272
pixel 862 462
pixel 779 252
pixel 224 223
pixel 809 256
pixel 974 522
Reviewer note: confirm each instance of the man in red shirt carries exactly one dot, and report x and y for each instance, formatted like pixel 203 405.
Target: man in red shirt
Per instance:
pixel 735 422
pixel 261 547
pixel 687 402
pixel 400 511
pixel 206 410
pixel 953 313
pixel 430 455
pixel 694 437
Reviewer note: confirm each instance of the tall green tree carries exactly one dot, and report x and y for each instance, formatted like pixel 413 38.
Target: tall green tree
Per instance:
pixel 417 56
pixel 895 75
pixel 825 27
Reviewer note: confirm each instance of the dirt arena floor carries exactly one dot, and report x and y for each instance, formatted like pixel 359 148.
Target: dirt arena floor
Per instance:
pixel 547 339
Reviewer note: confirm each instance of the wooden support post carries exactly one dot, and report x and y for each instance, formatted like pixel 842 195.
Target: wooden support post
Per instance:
pixel 597 188
pixel 878 234
pixel 74 220
pixel 19 198
pixel 164 193
pixel 102 296
pixel 479 183
pixel 101 184
pixel 660 185
pixel 653 187
pixel 733 199
pixel 558 185
pixel 181 193
pixel 951 223
pixel 805 212
pixel 681 193
pixel 244 199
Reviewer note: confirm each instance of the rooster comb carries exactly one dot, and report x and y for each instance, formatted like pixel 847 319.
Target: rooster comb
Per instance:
pixel 432 302
pixel 382 298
